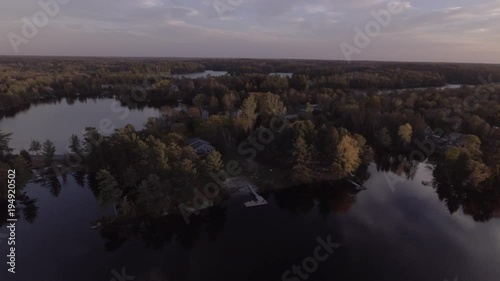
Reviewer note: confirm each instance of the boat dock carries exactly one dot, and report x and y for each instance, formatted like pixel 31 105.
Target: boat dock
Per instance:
pixel 260 201
pixel 357 185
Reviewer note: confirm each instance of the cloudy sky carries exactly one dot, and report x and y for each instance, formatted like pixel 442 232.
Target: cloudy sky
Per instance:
pixel 424 30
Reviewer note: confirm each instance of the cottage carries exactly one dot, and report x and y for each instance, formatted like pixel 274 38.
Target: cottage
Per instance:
pixel 443 140
pixel 456 139
pixel 201 147
pixel 428 132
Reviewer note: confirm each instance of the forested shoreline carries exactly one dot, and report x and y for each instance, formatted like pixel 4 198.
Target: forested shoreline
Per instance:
pixel 334 119
pixel 30 79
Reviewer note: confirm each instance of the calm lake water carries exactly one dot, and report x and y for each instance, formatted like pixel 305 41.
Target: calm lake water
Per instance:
pixel 395 230
pixel 405 233
pixel 282 74
pixel 204 74
pixel 60 119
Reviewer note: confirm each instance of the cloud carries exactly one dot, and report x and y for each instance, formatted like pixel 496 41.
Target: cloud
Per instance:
pixel 277 28
pixel 150 3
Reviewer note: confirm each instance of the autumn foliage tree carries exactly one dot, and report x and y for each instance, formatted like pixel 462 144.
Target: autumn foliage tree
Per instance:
pixel 348 158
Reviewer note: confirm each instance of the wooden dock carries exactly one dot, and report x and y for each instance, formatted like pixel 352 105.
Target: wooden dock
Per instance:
pixel 259 200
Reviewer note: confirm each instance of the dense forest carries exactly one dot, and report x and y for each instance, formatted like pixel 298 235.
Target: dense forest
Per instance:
pixel 25 80
pixel 324 121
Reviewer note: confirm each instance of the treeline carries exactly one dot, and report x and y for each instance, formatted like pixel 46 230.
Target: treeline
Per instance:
pixel 24 80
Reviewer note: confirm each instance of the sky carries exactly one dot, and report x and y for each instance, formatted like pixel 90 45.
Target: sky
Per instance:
pixel 418 30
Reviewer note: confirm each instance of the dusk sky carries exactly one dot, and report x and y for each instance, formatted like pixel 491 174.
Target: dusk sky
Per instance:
pixel 425 30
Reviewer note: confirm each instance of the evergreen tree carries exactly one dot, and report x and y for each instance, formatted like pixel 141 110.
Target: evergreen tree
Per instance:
pixel 384 138
pixel 75 145
pixel 23 171
pixel 35 147
pixel 4 144
pixel 108 189
pixel 48 152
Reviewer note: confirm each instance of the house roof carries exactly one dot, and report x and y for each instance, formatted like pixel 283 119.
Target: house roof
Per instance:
pixel 198 147
pixel 197 143
pixel 455 135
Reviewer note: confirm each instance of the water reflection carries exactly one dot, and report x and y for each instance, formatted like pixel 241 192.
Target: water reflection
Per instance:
pixel 26 207
pixel 482 205
pixel 156 233
pixel 385 235
pixel 399 164
pixel 82 111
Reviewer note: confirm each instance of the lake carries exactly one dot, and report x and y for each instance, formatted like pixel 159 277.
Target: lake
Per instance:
pixel 403 232
pixel 203 74
pixel 397 229
pixel 447 86
pixel 282 74
pixel 58 120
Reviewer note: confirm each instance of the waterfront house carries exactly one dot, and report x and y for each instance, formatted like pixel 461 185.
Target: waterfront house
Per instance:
pixel 200 146
pixel 445 141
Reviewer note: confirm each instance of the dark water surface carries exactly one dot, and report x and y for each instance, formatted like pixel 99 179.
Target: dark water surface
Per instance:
pixel 58 120
pixel 387 232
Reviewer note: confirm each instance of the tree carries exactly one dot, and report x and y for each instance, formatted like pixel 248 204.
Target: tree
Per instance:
pixel 23 171
pixel 214 163
pixel 229 100
pixel 4 144
pixel 302 172
pixel 48 152
pixel 35 146
pixel 405 132
pixel 154 195
pixel 248 112
pixel 271 105
pixel 305 129
pixel 452 155
pixel 199 101
pixel 473 147
pixel 347 160
pixel 108 191
pixel 384 138
pixel 25 155
pixel 75 145
pixel 478 173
